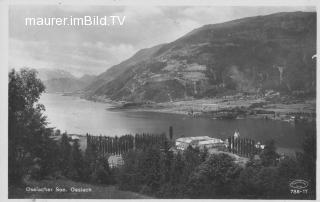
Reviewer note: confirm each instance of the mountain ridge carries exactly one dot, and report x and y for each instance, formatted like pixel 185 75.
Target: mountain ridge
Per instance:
pixel 251 55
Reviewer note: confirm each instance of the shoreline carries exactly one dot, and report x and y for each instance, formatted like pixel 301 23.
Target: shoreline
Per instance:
pixel 231 109
pixel 238 106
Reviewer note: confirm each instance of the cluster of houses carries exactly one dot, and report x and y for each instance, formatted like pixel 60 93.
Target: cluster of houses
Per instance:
pixel 206 142
pixel 201 142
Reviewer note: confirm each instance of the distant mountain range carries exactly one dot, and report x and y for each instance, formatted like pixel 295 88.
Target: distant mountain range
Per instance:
pixel 57 80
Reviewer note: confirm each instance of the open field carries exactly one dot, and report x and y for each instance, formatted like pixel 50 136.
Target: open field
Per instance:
pixel 308 107
pixel 61 189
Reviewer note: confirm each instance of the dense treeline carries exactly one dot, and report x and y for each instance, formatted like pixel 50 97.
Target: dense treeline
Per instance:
pixel 152 167
pixel 119 145
pixel 196 174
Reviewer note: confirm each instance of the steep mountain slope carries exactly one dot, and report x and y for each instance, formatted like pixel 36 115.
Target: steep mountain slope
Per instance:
pixel 246 55
pixel 117 70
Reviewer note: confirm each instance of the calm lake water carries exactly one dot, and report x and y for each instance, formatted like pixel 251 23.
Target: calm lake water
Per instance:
pixel 80 116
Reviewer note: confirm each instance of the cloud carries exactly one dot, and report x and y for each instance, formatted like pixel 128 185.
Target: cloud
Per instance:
pixel 94 49
pixel 85 58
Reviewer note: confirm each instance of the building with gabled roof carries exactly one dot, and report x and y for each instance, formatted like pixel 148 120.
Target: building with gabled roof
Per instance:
pixel 200 142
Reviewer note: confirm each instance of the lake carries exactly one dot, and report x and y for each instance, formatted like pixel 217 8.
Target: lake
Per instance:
pixel 79 116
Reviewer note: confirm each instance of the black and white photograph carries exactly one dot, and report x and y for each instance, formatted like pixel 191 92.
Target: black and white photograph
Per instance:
pixel 155 101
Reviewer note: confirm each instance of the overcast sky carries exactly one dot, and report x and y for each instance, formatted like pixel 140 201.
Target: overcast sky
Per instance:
pixel 92 50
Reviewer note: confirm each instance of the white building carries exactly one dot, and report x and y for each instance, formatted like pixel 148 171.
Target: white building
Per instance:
pixel 115 161
pixel 201 142
pixel 75 137
pixel 259 146
pixel 183 142
pixel 212 143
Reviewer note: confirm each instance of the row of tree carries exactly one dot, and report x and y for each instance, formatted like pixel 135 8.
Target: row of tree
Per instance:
pixel 111 145
pixel 242 146
pixel 120 145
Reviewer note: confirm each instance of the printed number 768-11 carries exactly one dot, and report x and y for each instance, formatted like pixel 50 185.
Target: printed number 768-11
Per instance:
pixel 298 191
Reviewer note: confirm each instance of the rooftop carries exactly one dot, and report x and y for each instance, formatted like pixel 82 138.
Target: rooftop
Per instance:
pixel 190 139
pixel 211 141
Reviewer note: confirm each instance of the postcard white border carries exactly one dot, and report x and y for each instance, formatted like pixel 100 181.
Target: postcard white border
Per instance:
pixel 4 64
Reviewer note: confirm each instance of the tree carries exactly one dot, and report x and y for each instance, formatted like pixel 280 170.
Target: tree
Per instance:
pixel 128 178
pixel 308 160
pixel 310 153
pixel 149 167
pixel 102 173
pixel 214 178
pixel 204 154
pixel 65 155
pixel 166 159
pixel 171 133
pixel 191 159
pixel 176 189
pixel 57 132
pixel 247 182
pixel 49 160
pixel 269 155
pixel 268 182
pixel 27 125
pixel 288 170
pixel 76 170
